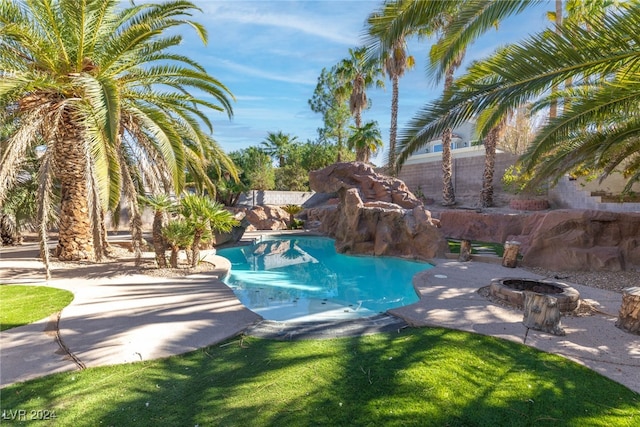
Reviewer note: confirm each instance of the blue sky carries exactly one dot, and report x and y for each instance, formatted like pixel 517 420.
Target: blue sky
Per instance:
pixel 270 54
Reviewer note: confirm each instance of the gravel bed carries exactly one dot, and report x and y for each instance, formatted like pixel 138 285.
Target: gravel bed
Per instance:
pixel 609 280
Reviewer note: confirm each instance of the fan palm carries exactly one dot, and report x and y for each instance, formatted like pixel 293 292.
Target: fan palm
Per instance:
pixel 204 216
pixel 114 106
pixel 277 145
pixel 357 74
pixel 179 235
pixel 396 61
pixel 365 139
pixel 600 126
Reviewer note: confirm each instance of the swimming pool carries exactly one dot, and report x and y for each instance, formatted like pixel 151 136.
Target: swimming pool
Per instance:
pixel 302 278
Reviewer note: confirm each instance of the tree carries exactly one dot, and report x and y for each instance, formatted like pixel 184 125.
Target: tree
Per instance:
pixel 431 18
pixel 178 235
pixel 113 104
pixel 204 216
pixel 357 73
pixel 393 54
pixel 520 129
pixel 277 145
pixel 459 24
pixel 490 144
pixel 256 168
pixel 600 129
pixel 366 139
pixel 329 101
pixel 161 204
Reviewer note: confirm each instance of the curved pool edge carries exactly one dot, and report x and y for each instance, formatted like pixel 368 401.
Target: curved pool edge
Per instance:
pixel 259 236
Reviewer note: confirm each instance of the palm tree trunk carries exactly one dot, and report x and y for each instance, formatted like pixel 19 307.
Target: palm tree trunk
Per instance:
pixel 173 259
pixel 75 240
pixel 448 192
pixel 158 240
pixel 195 248
pixel 393 128
pixel 490 143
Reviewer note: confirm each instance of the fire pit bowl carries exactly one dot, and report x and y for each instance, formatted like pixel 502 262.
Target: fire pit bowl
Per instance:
pixel 511 290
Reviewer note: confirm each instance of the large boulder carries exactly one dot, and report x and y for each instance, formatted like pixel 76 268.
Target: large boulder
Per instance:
pixel 267 218
pixel 371 186
pixel 375 214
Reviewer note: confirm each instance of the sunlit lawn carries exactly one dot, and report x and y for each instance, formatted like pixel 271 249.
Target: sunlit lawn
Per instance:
pixel 418 377
pixel 21 305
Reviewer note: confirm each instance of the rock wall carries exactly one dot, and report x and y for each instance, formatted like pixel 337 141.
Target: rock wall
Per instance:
pixel 566 239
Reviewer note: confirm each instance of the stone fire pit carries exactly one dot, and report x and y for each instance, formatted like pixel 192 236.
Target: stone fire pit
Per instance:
pixel 511 290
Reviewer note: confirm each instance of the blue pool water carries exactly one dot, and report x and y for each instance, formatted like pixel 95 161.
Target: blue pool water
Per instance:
pixel 304 279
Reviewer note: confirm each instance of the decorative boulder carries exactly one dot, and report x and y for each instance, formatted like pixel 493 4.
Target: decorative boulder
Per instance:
pixel 376 214
pixel 267 218
pixel 371 186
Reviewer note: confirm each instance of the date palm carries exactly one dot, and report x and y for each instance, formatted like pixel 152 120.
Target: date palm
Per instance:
pixel 113 102
pixel 600 127
pixel 428 18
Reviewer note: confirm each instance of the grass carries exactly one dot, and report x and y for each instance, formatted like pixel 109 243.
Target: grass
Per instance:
pixel 454 247
pixel 21 305
pixel 416 377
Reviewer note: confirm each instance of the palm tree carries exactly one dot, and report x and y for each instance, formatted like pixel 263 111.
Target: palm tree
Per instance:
pixel 277 145
pixel 204 216
pixel 490 145
pixel 600 129
pixel 428 18
pixel 179 235
pixel 459 23
pixel 111 102
pixel 366 139
pixel 396 62
pixel 357 74
pixel 161 204
pixel 292 210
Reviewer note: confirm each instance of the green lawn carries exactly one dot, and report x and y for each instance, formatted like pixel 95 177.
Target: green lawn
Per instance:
pixel 418 377
pixel 21 305
pixel 454 247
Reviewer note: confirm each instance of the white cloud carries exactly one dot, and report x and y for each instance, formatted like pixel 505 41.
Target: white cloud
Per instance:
pixel 261 73
pixel 333 28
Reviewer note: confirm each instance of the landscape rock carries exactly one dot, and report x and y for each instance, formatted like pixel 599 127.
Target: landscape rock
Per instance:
pixel 561 240
pixel 371 186
pixel 584 240
pixel 267 218
pixel 376 214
